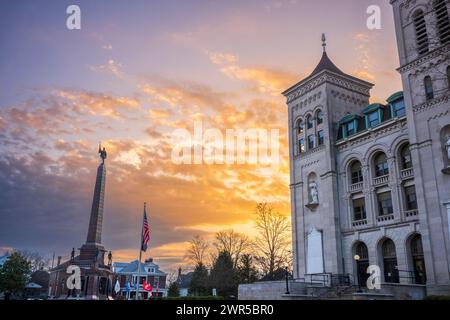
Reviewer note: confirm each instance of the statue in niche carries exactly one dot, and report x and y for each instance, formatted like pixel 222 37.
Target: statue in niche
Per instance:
pixel 313 193
pixel 446 169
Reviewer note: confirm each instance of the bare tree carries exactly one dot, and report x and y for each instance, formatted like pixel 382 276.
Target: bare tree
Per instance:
pixel 273 240
pixel 234 243
pixel 37 261
pixel 197 251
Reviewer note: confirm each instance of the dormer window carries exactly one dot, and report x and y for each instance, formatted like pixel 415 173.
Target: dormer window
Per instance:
pixel 350 128
pixel 397 104
pixel 373 119
pixel 373 114
pixel 349 124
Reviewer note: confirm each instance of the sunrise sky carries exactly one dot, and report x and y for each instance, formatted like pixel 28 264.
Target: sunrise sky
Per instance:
pixel 135 72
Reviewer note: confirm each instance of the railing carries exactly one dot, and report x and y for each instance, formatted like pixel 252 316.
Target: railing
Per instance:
pixel 341 279
pixel 359 223
pixel 355 187
pixel 411 213
pixel 381 180
pixel 318 279
pixel 386 217
pixel 407 173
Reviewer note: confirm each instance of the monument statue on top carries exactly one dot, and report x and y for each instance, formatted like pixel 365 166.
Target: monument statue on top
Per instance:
pixel 102 152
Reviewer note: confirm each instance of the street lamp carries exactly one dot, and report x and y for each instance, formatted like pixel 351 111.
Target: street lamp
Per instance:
pixel 287 280
pixel 357 258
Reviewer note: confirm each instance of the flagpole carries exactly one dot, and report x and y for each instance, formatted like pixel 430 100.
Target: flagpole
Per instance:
pixel 140 255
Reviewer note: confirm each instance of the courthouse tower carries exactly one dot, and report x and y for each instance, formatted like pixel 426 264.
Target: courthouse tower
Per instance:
pixel 315 105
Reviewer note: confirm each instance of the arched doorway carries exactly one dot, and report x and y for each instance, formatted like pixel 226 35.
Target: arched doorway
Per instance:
pixel 418 260
pixel 362 264
pixel 389 261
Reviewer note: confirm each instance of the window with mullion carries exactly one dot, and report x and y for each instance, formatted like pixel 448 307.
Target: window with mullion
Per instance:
pixel 385 204
pixel 359 209
pixel 410 198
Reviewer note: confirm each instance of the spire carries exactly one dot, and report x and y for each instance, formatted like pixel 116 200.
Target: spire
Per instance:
pixel 325 63
pixel 324 42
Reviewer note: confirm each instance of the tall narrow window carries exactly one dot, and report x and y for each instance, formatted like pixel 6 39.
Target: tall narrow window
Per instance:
pixel 309 122
pixel 421 32
pixel 311 141
pixel 381 165
pixel 410 198
pixel 406 157
pixel 320 137
pixel 385 203
pixel 442 20
pixel 300 126
pixel 356 172
pixel 428 84
pixel 319 117
pixel 359 209
pixel 301 145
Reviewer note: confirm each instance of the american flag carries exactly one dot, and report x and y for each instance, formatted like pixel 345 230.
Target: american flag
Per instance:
pixel 145 232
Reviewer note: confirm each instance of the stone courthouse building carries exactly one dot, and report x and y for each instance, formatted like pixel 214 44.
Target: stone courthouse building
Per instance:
pixel 370 182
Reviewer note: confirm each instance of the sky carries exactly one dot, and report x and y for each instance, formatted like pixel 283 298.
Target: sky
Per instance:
pixel 133 74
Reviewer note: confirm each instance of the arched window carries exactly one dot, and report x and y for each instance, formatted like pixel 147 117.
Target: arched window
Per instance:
pixel 363 263
pixel 418 259
pixel 421 32
pixel 381 165
pixel 300 126
pixel 356 173
pixel 309 122
pixel 405 156
pixel 319 117
pixel 442 20
pixel 361 251
pixel 428 84
pixel 389 261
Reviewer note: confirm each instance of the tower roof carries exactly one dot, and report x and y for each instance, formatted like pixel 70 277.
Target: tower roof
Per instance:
pixel 325 64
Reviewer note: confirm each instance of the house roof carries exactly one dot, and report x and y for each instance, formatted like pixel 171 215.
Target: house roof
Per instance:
pixel 133 267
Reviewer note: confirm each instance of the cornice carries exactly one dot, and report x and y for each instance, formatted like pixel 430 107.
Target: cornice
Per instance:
pixel 421 60
pixel 330 77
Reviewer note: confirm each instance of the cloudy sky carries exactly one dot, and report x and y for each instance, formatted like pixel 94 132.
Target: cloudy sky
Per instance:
pixel 134 73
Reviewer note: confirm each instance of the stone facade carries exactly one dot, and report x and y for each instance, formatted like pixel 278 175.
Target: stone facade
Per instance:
pixel 370 181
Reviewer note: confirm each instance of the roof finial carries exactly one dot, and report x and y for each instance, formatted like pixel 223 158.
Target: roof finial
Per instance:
pixel 324 42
